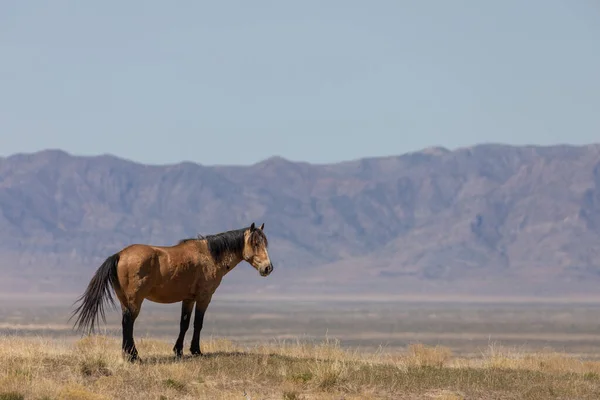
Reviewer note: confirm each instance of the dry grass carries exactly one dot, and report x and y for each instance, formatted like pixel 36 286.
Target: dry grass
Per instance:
pixel 92 368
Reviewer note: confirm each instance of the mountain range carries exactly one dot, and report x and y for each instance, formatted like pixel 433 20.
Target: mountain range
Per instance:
pixel 487 219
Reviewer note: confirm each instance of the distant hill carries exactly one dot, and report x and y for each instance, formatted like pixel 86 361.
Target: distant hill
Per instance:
pixel 479 220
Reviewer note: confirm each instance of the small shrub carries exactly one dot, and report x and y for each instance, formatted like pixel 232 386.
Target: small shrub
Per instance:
pixel 328 375
pixel 291 395
pixel 591 376
pixel 173 384
pixel 302 377
pixel 11 396
pixel 94 367
pixel 22 373
pixel 328 380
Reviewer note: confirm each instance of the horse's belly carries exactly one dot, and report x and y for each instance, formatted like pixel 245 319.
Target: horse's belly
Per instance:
pixel 163 299
pixel 172 291
pixel 183 288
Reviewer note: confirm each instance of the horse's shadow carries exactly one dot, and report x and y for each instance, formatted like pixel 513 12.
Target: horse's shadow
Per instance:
pixel 187 358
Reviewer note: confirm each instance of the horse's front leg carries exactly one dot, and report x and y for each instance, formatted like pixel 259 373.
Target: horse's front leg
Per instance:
pixel 201 306
pixel 186 313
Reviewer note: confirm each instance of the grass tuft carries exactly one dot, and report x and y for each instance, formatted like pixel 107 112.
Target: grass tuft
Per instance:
pixel 94 367
pixel 424 356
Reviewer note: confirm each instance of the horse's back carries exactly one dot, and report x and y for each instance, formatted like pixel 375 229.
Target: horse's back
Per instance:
pixel 138 262
pixel 136 251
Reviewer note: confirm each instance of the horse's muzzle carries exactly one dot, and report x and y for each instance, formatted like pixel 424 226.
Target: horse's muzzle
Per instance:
pixel 267 270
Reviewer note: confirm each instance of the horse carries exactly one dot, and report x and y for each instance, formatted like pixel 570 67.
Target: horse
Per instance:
pixel 189 272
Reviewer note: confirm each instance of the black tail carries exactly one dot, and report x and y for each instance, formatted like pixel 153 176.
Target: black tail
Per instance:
pixel 96 294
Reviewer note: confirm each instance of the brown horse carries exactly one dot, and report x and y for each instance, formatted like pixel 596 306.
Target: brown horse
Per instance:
pixel 189 272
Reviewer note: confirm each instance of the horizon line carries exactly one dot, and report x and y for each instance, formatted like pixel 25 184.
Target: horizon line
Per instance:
pixel 433 150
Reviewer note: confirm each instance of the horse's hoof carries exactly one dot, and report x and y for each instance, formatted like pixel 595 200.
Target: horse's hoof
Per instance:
pixel 132 358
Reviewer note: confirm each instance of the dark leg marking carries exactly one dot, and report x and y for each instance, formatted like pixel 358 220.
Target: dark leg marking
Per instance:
pixel 128 343
pixel 186 313
pixel 198 321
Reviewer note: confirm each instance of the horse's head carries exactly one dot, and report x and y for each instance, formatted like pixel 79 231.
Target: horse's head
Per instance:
pixel 255 249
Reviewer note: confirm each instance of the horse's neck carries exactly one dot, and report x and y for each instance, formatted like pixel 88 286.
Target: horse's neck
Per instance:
pixel 228 262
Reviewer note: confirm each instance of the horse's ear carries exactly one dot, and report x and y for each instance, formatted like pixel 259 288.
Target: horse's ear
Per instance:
pixel 262 227
pixel 252 227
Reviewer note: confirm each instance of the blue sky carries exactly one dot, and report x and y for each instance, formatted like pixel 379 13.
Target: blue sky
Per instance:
pixel 235 82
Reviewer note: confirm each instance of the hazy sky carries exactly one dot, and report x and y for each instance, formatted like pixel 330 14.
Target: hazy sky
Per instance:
pixel 234 82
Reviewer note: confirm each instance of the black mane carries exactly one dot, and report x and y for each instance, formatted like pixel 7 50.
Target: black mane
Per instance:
pixel 229 242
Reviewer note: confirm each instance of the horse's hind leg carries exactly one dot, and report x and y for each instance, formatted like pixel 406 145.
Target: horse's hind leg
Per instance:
pixel 130 313
pixel 187 307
